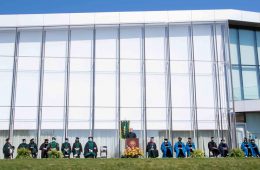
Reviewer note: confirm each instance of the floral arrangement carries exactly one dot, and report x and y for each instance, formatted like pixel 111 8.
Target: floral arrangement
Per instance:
pixel 133 152
pixel 23 153
pixel 236 153
pixel 197 154
pixel 54 154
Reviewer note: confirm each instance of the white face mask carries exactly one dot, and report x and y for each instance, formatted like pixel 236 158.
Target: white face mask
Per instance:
pixel 90 139
pixel 53 140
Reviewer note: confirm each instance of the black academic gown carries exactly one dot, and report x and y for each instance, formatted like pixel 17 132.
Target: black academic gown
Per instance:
pixel 151 148
pixel 33 148
pixel 223 148
pixel 66 149
pixel 76 149
pixel 87 153
pixel 23 145
pixel 213 148
pixel 44 149
pixel 131 135
pixel 8 150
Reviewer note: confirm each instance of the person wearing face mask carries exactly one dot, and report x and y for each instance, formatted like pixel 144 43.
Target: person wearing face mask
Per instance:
pixel 66 148
pixel 8 149
pixel 44 148
pixel 213 147
pixel 151 149
pixel 166 148
pixel 76 148
pixel 23 144
pixel 190 147
pixel 90 149
pixel 223 148
pixel 247 148
pixel 179 148
pixel 254 148
pixel 53 145
pixel 33 148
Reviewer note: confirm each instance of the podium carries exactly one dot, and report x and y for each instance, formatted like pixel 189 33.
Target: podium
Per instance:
pixel 132 142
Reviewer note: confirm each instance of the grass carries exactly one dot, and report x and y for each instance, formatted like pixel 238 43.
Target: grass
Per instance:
pixel 125 164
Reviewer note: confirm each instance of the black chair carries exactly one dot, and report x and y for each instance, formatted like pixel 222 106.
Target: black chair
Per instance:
pixel 103 151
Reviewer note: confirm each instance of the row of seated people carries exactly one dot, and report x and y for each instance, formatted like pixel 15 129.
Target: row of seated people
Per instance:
pixel 90 149
pixel 250 148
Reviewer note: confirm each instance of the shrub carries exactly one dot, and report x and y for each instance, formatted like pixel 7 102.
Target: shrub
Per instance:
pixel 197 154
pixel 54 154
pixel 23 153
pixel 236 153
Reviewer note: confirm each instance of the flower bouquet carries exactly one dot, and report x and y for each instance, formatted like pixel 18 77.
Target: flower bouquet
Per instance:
pixel 133 152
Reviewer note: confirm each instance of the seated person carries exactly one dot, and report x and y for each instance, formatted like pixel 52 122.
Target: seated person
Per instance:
pixel 246 147
pixel 179 148
pixel 213 147
pixel 53 145
pixel 76 148
pixel 33 148
pixel 90 149
pixel 44 148
pixel 66 148
pixel 190 147
pixel 8 149
pixel 223 148
pixel 131 134
pixel 152 149
pixel 166 148
pixel 255 148
pixel 23 144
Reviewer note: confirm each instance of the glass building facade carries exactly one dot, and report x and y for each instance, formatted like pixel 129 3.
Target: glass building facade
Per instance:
pixel 168 80
pixel 245 52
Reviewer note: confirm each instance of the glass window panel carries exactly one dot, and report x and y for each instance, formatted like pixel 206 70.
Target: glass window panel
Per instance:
pixel 27 89
pixel 25 64
pixel 4 118
pixel 250 82
pixel 134 115
pixel 236 83
pixel 130 37
pixel 79 118
pixel 5 88
pixel 202 42
pixel 130 90
pixel 156 118
pixel 103 65
pixel 30 43
pixel 80 65
pixel 181 119
pixel 54 65
pixel 105 118
pixel 81 42
pixel 106 42
pixel 233 46
pixel 53 89
pixel 246 38
pixel 181 94
pixel 179 42
pixel 25 118
pixel 130 66
pixel 220 28
pixel 206 119
pixel 155 91
pixel 52 118
pixel 7 43
pixel 204 91
pixel 155 66
pixel 79 89
pixel 105 90
pixel 6 63
pixel 202 68
pixel 179 67
pixel 155 42
pixel 258 44
pixel 56 43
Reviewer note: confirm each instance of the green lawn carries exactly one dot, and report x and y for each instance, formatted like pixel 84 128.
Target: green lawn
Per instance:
pixel 124 164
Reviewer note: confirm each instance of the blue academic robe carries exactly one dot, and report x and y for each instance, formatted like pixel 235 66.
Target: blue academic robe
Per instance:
pixel 188 148
pixel 244 148
pixel 255 153
pixel 176 148
pixel 164 149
